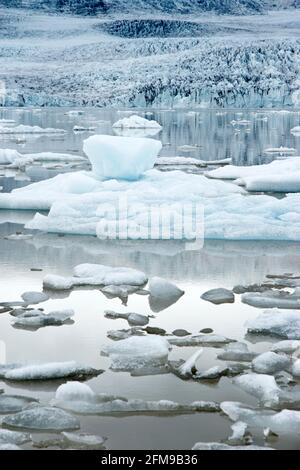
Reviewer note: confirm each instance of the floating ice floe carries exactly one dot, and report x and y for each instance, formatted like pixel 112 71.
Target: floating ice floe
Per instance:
pixel 177 161
pixel 13 437
pixel 262 386
pixel 83 439
pixel 121 157
pixel 237 352
pixel 34 319
pixel 9 447
pixel 122 292
pixel 136 122
pixel 296 368
pixel 270 362
pixel 15 160
pixel 118 335
pixel 84 129
pixel 296 131
pixel 21 129
pixel 137 352
pixel 210 340
pixel 41 418
pixel 80 399
pixel 218 446
pixel 287 346
pixel 134 319
pixel 271 299
pixel 163 294
pixel 217 372
pixel 32 298
pixel 275 322
pixel 96 275
pixel 219 296
pixel 286 421
pixel 13 403
pixel 188 368
pixel 74 113
pixel 47 371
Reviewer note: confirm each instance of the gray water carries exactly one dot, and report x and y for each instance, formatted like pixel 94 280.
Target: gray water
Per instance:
pixel 217 264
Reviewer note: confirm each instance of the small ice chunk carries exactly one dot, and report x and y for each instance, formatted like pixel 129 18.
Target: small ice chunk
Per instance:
pixel 212 340
pixel 13 437
pixel 287 346
pixel 137 352
pixel 42 419
pixel 83 439
pixel 296 368
pixel 275 322
pixel 47 371
pixel 96 275
pixel 296 131
pixel 218 296
pixel 34 319
pixel 120 158
pixel 163 294
pixel 263 387
pixel 9 447
pixel 237 352
pixel 189 367
pixel 136 122
pixel 134 319
pixel 21 129
pixel 214 373
pixel 13 403
pixel 238 431
pixel 217 446
pixel 272 299
pixel 118 335
pixel 270 363
pixel 32 298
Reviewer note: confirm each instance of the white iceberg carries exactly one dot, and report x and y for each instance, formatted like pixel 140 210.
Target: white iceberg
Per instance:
pixel 96 275
pixel 47 371
pixel 121 157
pixel 275 322
pixel 221 447
pixel 21 129
pixel 34 319
pixel 137 352
pixel 136 122
pixel 270 362
pixel 42 419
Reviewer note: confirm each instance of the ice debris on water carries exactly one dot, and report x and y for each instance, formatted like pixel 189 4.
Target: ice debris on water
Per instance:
pixel 134 319
pixel 34 319
pixel 13 403
pixel 79 398
pixel 32 298
pixel 95 275
pixel 237 352
pixel 221 447
pixel 22 129
pixel 163 294
pixel 83 440
pixel 276 322
pixel 137 352
pixel 13 437
pixel 42 418
pixel 188 369
pixel 272 299
pixel 136 122
pixel 218 296
pixel 47 371
pixel 270 362
pixel 262 386
pixel 210 340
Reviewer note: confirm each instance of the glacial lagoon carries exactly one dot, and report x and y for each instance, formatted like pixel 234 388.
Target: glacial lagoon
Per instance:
pixel 202 134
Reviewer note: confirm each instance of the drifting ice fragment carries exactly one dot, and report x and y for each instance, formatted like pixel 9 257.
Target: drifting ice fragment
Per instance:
pixel 274 322
pixel 34 319
pixel 137 352
pixel 263 387
pixel 213 341
pixel 296 131
pixel 96 275
pixel 270 363
pixel 30 130
pixel 32 298
pixel 13 437
pixel 83 439
pixel 136 122
pixel 287 347
pixel 163 294
pixel 134 319
pixel 218 446
pixel 13 403
pixel 271 299
pixel 47 371
pixel 124 158
pixel 189 367
pixel 237 352
pixel 42 419
pixel 218 296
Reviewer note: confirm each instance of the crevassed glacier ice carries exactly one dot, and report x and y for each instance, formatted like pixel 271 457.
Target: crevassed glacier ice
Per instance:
pixel 47 371
pixel 137 352
pixel 275 322
pixel 121 157
pixel 96 275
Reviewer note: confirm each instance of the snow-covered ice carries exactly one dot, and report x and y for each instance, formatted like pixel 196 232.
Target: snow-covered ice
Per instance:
pixel 96 275
pixel 275 322
pixel 211 340
pixel 136 122
pixel 13 437
pixel 270 362
pixel 34 319
pixel 42 419
pixel 47 371
pixel 237 352
pixel 217 446
pixel 262 386
pixel 286 346
pixel 137 352
pixel 125 158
